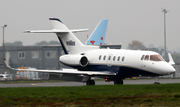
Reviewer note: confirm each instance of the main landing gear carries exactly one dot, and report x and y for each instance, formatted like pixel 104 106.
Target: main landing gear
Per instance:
pixel 157 81
pixel 90 82
pixel 118 81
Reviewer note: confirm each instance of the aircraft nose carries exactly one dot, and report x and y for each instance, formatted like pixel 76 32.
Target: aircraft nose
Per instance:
pixel 170 69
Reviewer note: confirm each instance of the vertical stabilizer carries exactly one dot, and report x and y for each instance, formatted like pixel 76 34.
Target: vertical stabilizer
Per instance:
pixel 70 43
pixel 58 24
pixel 98 35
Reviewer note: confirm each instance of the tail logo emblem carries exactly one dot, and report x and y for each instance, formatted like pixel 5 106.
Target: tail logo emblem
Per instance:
pixel 70 43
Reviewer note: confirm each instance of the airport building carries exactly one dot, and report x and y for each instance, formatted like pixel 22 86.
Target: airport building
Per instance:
pixel 39 57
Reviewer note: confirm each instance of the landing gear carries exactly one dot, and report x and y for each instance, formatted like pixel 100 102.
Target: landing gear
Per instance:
pixel 118 81
pixel 157 81
pixel 90 82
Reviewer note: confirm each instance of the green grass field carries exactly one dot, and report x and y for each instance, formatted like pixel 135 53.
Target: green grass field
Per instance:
pixel 98 96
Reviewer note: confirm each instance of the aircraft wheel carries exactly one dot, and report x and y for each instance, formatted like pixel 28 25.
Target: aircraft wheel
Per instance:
pixel 156 83
pixel 120 81
pixel 90 82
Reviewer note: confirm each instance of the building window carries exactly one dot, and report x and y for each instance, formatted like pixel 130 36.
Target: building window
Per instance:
pixel 21 55
pixel 35 54
pixel 51 54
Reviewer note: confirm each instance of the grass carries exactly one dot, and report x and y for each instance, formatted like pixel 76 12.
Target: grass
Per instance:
pixel 100 95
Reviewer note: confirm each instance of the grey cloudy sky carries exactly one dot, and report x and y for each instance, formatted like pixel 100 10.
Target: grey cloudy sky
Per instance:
pixel 128 20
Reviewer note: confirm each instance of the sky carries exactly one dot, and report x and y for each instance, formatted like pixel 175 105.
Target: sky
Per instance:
pixel 129 20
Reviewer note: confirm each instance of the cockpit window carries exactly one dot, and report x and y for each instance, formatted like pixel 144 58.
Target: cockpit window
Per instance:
pixel 146 57
pixel 155 58
pixel 161 57
pixel 142 57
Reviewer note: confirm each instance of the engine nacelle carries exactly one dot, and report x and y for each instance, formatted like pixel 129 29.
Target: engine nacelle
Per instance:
pixel 74 60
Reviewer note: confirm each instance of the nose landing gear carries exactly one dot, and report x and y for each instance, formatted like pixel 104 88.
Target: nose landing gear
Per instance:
pixel 157 81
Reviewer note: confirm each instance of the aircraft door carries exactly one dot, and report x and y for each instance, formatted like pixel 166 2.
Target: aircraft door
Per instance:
pixel 109 60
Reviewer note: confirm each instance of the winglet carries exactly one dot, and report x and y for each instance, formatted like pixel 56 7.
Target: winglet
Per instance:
pixel 171 61
pixel 8 66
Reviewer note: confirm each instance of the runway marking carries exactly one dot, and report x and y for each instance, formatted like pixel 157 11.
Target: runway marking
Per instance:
pixel 44 85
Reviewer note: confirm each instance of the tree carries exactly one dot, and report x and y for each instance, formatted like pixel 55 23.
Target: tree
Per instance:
pixel 176 57
pixel 16 43
pixel 54 43
pixel 42 43
pixel 136 45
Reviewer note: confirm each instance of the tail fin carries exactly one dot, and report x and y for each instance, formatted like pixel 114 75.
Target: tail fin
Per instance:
pixel 98 35
pixel 70 43
pixel 56 25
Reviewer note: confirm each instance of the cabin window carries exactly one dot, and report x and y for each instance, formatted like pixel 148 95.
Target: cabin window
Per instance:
pixel 114 58
pixel 142 57
pixel 109 58
pixel 122 58
pixel 155 58
pixel 100 57
pixel 21 55
pixel 104 57
pixel 146 57
pixel 35 54
pixel 118 58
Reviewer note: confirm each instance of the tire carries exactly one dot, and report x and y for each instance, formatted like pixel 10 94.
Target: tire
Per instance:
pixel 90 82
pixel 156 83
pixel 116 82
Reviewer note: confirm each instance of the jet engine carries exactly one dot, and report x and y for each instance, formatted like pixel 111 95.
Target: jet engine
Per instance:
pixel 74 60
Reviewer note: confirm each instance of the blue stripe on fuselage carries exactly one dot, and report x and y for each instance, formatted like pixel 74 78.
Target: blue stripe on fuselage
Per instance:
pixel 122 71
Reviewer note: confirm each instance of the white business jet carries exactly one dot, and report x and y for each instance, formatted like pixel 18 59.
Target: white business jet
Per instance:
pixel 111 64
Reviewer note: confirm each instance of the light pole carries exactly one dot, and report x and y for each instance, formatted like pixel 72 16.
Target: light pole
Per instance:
pixel 165 11
pixel 3 49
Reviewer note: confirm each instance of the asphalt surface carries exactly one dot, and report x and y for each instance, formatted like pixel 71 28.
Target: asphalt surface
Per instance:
pixel 60 84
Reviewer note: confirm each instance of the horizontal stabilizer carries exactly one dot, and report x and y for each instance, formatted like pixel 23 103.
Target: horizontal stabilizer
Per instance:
pixel 55 31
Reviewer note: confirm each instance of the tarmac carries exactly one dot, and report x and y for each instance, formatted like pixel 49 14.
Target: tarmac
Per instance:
pixel 61 84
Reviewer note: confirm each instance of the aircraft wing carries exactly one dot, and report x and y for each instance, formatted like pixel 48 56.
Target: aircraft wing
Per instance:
pixel 71 71
pixel 66 71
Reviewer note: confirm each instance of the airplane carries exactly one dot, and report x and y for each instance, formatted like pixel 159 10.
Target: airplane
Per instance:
pixel 98 35
pixel 90 61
